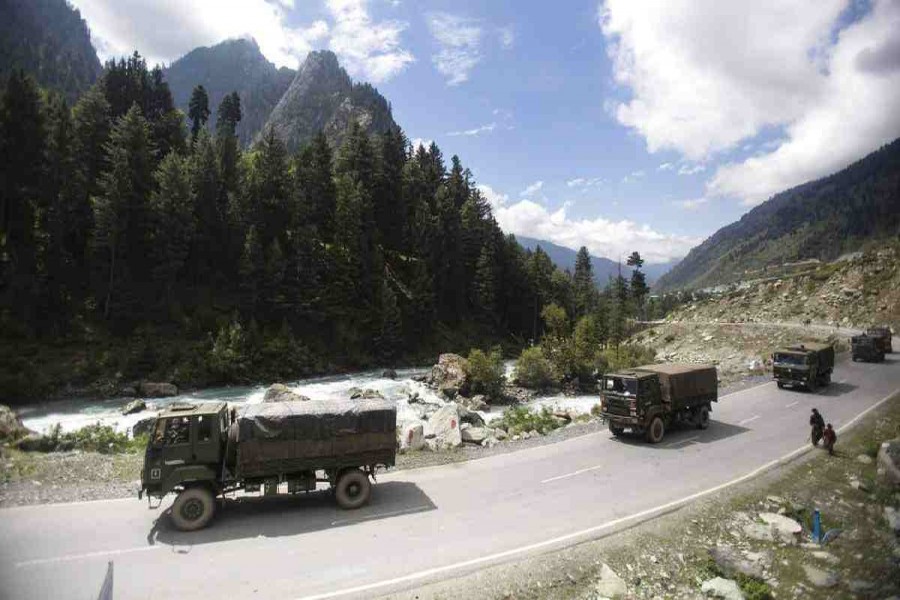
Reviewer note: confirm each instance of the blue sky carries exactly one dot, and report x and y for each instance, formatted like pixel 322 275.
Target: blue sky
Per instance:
pixel 620 125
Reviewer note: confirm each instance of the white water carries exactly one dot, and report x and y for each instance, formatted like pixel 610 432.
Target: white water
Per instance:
pixel 75 414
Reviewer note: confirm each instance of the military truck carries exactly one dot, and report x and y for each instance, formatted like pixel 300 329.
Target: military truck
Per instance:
pixel 652 398
pixel 201 452
pixel 865 347
pixel 883 338
pixel 803 365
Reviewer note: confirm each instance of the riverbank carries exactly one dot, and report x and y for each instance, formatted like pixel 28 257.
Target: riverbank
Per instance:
pixel 669 556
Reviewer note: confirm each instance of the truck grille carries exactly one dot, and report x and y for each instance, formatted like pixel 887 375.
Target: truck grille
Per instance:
pixel 617 406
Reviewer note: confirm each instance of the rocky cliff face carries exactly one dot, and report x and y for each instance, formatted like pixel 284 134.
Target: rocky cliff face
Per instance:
pixel 234 65
pixel 323 97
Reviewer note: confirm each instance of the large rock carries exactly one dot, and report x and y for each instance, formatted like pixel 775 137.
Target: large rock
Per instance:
pixel 389 374
pixel 892 516
pixel 11 427
pixel 732 561
pixel 412 435
pixel 149 389
pixel 364 394
pixel 475 435
pixel 278 392
pixel 449 374
pixel 722 588
pixel 135 406
pixel 820 578
pixel 443 427
pixel 783 528
pixel 470 417
pixel 143 427
pixel 888 463
pixel 477 402
pixel 610 584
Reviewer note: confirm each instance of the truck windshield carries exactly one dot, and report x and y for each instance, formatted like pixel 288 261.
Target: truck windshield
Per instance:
pixel 172 431
pixel 620 385
pixel 790 359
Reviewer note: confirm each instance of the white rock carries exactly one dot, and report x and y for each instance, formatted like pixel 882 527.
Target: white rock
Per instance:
pixel 610 585
pixel 722 588
pixel 443 426
pixel 474 435
pixel 892 516
pixel 865 459
pixel 784 528
pixel 412 435
pixel 820 578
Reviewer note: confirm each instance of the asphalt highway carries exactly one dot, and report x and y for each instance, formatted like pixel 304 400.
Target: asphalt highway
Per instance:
pixel 422 524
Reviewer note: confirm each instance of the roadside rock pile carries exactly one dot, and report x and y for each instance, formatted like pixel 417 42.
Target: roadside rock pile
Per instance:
pixel 448 376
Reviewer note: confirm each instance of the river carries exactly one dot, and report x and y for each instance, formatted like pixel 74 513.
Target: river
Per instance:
pixel 73 414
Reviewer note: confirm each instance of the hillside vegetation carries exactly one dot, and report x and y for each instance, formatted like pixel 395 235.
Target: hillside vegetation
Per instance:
pixel 818 220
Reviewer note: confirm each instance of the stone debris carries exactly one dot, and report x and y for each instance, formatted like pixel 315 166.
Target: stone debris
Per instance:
pixel 610 585
pixel 819 577
pixel 720 587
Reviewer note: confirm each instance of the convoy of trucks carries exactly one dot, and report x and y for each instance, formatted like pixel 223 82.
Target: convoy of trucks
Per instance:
pixel 201 452
pixel 803 365
pixel 652 398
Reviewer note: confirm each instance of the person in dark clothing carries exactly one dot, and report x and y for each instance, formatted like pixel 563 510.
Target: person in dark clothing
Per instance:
pixel 829 437
pixel 817 423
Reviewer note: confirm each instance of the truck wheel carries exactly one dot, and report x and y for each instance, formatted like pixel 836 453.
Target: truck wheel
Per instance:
pixel 616 430
pixel 780 386
pixel 703 418
pixel 193 508
pixel 826 380
pixel 656 431
pixel 353 489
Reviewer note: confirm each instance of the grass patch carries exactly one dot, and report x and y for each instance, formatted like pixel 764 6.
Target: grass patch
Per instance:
pixel 520 419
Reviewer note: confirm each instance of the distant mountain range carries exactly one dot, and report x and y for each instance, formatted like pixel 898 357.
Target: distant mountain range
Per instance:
pixel 49 40
pixel 822 220
pixel 604 268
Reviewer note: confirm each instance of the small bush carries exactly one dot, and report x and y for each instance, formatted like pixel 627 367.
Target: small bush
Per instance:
pixel 871 448
pixel 485 372
pixel 627 356
pixel 91 438
pixel 533 370
pixel 669 338
pixel 519 419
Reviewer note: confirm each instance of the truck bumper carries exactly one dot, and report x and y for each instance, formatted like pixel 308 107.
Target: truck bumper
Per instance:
pixel 623 421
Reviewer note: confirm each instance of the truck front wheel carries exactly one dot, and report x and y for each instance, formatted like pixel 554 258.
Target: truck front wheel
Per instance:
pixel 703 417
pixel 353 489
pixel 193 508
pixel 656 431
pixel 616 430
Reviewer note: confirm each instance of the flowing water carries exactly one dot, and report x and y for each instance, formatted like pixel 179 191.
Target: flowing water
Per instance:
pixel 74 414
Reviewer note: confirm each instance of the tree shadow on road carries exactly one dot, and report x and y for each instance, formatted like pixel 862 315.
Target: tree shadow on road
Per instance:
pixel 254 516
pixel 682 436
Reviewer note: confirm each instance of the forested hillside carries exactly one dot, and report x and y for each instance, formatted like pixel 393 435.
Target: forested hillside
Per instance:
pixel 49 40
pixel 232 66
pixel 818 220
pixel 132 248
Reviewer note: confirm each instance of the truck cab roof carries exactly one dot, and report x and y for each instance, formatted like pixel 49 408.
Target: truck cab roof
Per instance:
pixel 803 348
pixel 644 371
pixel 186 409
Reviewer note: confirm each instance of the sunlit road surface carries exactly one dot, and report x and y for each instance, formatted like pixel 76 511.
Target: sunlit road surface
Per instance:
pixel 423 524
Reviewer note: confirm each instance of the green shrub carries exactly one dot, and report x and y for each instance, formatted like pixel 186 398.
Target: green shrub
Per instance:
pixel 533 370
pixel 485 372
pixel 91 438
pixel 519 419
pixel 627 356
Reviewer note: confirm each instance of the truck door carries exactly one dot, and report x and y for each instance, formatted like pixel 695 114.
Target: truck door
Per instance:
pixel 176 438
pixel 206 439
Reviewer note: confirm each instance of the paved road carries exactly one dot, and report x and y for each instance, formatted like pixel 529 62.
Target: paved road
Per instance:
pixel 422 524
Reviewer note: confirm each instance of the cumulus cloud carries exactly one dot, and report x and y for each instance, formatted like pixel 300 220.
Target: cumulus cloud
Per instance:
pixel 603 237
pixel 459 43
pixel 416 142
pixel 367 48
pixel 691 169
pixel 507 36
pixel 532 189
pixel 475 131
pixel 167 29
pixel 705 76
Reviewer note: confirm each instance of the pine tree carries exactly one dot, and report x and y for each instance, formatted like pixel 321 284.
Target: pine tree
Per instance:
pixel 198 111
pixel 389 341
pixel 639 288
pixel 315 190
pixel 486 284
pixel 208 215
pixel 583 280
pixel 172 205
pixel 251 271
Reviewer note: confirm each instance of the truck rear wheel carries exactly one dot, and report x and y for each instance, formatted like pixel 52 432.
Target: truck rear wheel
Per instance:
pixel 616 430
pixel 193 508
pixel 656 431
pixel 703 418
pixel 353 489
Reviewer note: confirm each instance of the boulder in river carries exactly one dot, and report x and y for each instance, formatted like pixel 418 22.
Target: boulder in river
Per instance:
pixel 11 427
pixel 135 406
pixel 443 427
pixel 449 374
pixel 149 389
pixel 143 427
pixel 278 392
pixel 389 374
pixel 364 394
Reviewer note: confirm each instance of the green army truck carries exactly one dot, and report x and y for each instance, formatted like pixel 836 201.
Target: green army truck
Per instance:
pixel 882 337
pixel 803 365
pixel 652 398
pixel 201 452
pixel 866 348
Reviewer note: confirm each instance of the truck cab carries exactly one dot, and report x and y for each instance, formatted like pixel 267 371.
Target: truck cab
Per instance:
pixel 803 365
pixel 186 446
pixel 883 338
pixel 866 348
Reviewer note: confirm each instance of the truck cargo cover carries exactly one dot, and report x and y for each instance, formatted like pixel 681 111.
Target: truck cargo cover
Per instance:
pixel 684 382
pixel 316 419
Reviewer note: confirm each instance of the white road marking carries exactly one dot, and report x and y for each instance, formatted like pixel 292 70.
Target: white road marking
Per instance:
pixel 71 557
pixel 394 513
pixel 578 472
pixel 793 404
pixel 596 528
pixel 686 441
pixel 750 420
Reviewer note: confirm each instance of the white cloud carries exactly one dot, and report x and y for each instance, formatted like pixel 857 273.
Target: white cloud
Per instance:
pixel 416 142
pixel 665 167
pixel 603 237
pixel 708 76
pixel 693 204
pixel 476 131
pixel 634 175
pixel 459 42
pixel 164 30
pixel 368 49
pixel 507 36
pixel 859 111
pixel 691 169
pixel 585 183
pixel 532 189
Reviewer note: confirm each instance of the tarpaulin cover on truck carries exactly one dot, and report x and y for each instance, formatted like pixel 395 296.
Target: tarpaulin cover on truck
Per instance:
pixel 321 431
pixel 685 384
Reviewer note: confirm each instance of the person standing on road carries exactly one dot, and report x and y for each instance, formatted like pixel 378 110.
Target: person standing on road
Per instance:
pixel 817 423
pixel 829 437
